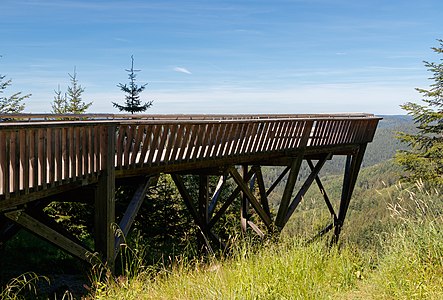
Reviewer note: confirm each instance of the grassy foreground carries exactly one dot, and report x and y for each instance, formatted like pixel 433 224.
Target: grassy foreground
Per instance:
pixel 408 265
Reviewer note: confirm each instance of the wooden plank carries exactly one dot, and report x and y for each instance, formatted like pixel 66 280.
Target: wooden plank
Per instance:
pixel 34 162
pixel 263 131
pixel 245 138
pixel 262 190
pixel 170 143
pixel 323 191
pixel 155 143
pixel 352 168
pixel 3 165
pixel 176 147
pixel 192 141
pixel 229 139
pixel 50 143
pixel 238 139
pixel 253 139
pixel 26 162
pixel 278 180
pixel 85 151
pixel 7 173
pixel 79 151
pixel 15 161
pixel 128 142
pixel 161 148
pixel 196 154
pixel 119 146
pixel 72 157
pixel 147 144
pixel 244 188
pixel 184 143
pixel 215 196
pixel 289 188
pixel 105 198
pixel 304 188
pixel 137 145
pixel 132 210
pixel 49 234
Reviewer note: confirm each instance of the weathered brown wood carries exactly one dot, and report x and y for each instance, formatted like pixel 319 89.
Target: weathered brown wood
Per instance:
pixel 50 234
pixel 287 193
pixel 353 164
pixel 215 196
pixel 304 188
pixel 105 197
pixel 228 202
pixel 40 159
pixel 252 199
pixel 132 210
pixel 262 190
pixel 323 191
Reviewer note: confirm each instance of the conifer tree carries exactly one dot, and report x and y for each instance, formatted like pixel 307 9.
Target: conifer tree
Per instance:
pixel 14 103
pixel 133 103
pixel 59 105
pixel 71 102
pixel 75 104
pixel 425 159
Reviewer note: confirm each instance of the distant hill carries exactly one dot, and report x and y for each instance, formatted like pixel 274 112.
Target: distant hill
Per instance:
pixel 385 143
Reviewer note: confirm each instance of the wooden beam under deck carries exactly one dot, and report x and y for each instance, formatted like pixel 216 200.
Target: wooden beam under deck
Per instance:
pixel 64 153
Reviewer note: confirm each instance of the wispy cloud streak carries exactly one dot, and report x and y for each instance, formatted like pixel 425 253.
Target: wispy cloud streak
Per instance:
pixel 182 70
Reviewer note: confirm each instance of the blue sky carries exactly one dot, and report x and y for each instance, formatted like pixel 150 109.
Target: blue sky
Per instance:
pixel 209 56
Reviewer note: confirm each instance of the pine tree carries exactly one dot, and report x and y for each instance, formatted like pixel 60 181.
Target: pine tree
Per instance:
pixel 59 105
pixel 14 103
pixel 425 159
pixel 132 91
pixel 75 104
pixel 71 102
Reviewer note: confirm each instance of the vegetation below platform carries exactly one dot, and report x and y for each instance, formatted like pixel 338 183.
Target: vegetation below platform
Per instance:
pixel 407 265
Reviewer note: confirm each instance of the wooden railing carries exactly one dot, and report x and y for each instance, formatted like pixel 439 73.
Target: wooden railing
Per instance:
pixel 36 155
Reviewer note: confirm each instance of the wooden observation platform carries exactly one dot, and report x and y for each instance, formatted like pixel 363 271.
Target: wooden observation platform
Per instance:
pixel 46 158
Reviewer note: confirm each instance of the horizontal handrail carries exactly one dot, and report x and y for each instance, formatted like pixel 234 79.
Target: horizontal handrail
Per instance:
pixel 59 117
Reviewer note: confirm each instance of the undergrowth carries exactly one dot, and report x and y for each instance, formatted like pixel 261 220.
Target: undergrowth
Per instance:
pixel 408 264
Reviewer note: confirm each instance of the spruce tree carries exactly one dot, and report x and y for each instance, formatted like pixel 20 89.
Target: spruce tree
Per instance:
pixel 75 104
pixel 71 102
pixel 59 105
pixel 14 103
pixel 133 103
pixel 425 159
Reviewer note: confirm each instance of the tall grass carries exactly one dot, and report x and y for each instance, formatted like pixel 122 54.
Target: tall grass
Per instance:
pixel 408 266
pixel 287 270
pixel 411 265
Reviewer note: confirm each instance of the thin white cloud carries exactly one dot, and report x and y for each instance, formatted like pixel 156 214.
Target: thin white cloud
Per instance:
pixel 182 70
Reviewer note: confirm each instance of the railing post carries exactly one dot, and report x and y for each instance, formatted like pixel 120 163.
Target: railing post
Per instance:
pixel 105 197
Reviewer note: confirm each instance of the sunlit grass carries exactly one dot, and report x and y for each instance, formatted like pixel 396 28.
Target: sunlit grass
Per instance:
pixel 408 266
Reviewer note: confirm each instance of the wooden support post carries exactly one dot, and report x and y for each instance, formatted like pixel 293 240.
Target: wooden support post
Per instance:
pixel 262 189
pixel 132 210
pixel 323 192
pixel 353 164
pixel 289 188
pixel 244 217
pixel 252 199
pixel 216 195
pixel 105 198
pixel 203 209
pixel 304 188
pixel 278 180
pixel 228 202
pixel 194 213
pixel 49 234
